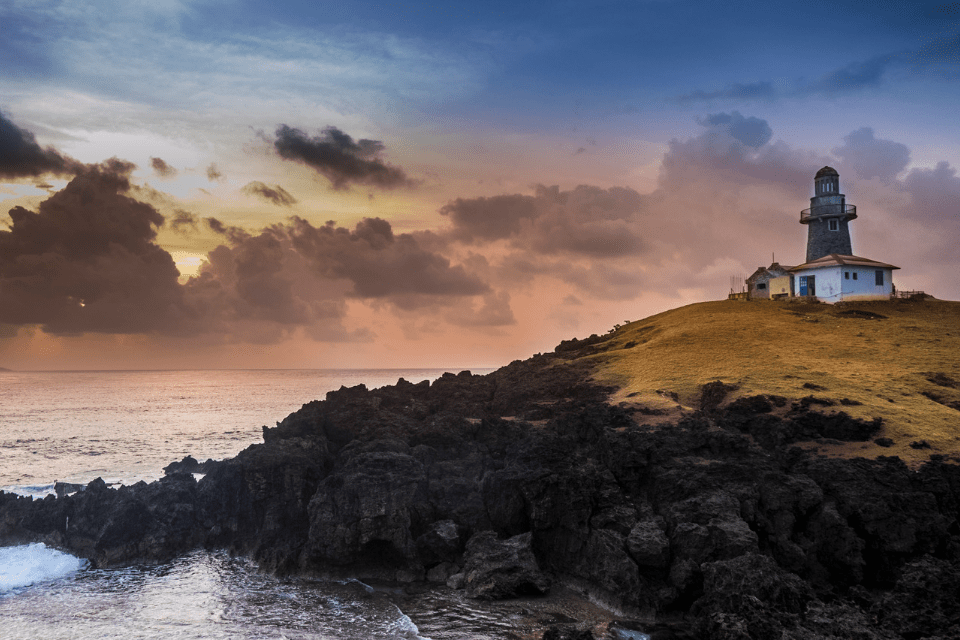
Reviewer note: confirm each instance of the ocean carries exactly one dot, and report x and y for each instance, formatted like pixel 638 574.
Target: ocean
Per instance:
pixel 125 426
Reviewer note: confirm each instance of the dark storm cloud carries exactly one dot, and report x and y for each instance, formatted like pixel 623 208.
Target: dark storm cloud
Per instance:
pixel 737 91
pixel 161 168
pixel 21 156
pixel 87 260
pixel 339 158
pixel 586 220
pixel 489 218
pixel 275 194
pixel 380 264
pixel 870 157
pixel 183 221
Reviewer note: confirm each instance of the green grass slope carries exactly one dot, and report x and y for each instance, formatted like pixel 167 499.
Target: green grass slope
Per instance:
pixel 898 360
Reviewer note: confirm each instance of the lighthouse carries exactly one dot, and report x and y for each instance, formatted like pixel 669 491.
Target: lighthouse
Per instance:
pixel 831 273
pixel 828 217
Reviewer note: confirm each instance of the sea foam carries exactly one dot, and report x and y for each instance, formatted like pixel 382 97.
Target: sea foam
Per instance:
pixel 27 564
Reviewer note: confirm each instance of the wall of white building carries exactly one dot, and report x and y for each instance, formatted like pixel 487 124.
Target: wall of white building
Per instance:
pixel 834 284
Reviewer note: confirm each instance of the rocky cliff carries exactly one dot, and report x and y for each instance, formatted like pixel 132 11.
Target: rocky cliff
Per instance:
pixel 712 523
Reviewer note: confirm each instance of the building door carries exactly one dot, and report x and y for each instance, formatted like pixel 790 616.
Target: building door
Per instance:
pixel 803 286
pixel 812 285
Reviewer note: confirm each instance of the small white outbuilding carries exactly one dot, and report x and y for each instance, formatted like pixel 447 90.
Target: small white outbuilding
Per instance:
pixel 836 277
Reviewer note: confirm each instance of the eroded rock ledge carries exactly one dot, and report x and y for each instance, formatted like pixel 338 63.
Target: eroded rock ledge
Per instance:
pixel 500 484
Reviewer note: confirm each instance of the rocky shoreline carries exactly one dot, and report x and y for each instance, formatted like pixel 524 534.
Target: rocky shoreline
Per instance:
pixel 711 525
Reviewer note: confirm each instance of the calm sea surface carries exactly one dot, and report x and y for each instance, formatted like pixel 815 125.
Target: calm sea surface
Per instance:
pixel 125 426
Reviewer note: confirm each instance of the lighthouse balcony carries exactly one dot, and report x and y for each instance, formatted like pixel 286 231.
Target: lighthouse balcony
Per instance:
pixel 848 211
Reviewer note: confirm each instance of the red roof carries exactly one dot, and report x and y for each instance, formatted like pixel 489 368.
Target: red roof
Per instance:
pixel 838 260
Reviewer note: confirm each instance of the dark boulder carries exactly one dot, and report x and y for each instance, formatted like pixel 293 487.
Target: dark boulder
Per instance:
pixel 496 569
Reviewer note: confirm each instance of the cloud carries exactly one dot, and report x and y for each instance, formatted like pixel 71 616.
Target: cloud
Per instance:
pixel 869 157
pixel 737 151
pixel 22 157
pixel 489 218
pixel 763 90
pixel 854 76
pixel 275 194
pixel 751 131
pixel 380 264
pixel 87 260
pixel 233 234
pixel 934 202
pixel 586 221
pixel 213 172
pixel 161 168
pixel 940 53
pixel 336 156
pixel 183 221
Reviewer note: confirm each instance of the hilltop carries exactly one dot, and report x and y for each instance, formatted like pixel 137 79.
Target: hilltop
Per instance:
pixel 895 360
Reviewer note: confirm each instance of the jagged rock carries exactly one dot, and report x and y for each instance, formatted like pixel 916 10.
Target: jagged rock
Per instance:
pixel 442 542
pixel 442 572
pixel 64 488
pixel 648 545
pixel 925 602
pixel 496 569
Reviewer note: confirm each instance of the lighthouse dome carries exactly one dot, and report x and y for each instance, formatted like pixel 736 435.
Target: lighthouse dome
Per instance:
pixel 826 171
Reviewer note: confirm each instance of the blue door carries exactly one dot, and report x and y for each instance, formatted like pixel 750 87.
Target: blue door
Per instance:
pixel 803 285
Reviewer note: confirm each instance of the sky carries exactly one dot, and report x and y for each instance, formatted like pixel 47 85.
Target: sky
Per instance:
pixel 238 184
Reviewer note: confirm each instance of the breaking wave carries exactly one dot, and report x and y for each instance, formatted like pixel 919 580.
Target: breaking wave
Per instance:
pixel 28 564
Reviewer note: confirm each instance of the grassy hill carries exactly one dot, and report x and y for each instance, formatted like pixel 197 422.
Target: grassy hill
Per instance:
pixel 898 360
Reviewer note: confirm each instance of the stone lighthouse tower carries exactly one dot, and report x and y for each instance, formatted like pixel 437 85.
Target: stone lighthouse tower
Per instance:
pixel 827 217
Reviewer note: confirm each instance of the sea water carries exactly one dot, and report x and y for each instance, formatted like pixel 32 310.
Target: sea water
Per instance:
pixel 125 426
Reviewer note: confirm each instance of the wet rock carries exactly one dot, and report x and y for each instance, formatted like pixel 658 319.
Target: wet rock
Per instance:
pixel 497 569
pixel 442 572
pixel 442 542
pixel 65 488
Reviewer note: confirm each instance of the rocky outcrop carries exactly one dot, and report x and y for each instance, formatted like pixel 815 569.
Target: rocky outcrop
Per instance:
pixel 502 484
pixel 496 569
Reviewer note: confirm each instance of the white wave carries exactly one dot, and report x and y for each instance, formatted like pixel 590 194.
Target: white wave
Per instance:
pixel 404 629
pixel 27 564
pixel 30 490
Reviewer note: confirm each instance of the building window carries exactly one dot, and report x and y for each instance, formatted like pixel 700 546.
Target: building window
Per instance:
pixel 846 275
pixel 763 285
pixel 879 277
pixel 834 225
pixel 854 275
